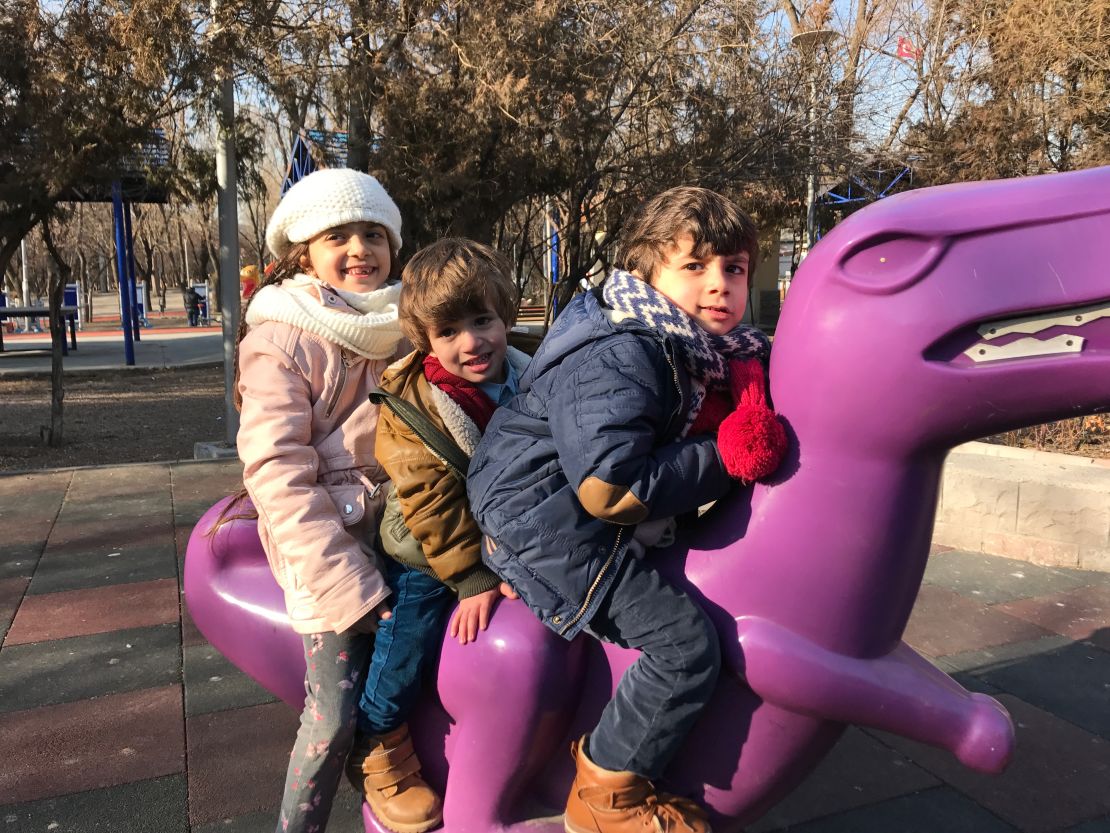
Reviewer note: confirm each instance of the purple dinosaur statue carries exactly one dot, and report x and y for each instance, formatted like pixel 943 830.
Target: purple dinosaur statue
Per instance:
pixel 928 319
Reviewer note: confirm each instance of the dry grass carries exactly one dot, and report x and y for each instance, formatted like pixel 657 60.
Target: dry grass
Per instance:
pixel 1089 436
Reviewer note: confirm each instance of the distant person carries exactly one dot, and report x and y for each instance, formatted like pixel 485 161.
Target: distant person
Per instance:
pixel 314 341
pixel 192 306
pixel 248 281
pixel 634 410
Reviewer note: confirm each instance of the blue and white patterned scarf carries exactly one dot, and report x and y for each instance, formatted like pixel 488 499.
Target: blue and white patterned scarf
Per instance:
pixel 704 354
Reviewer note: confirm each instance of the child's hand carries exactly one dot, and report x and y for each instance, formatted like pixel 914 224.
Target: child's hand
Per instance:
pixel 472 614
pixel 369 622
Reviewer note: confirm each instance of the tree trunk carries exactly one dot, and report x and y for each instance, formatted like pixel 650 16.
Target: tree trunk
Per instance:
pixel 53 434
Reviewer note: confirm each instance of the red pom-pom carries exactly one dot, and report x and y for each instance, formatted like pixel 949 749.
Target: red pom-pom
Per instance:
pixel 752 442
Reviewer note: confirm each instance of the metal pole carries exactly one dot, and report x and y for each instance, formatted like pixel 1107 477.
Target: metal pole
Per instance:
pixel 131 284
pixel 228 209
pixel 125 303
pixel 26 279
pixel 811 176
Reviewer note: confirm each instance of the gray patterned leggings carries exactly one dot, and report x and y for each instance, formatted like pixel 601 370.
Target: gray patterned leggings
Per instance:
pixel 336 667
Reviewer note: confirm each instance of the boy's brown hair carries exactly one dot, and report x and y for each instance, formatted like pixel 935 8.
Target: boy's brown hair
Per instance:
pixel 451 279
pixel 716 223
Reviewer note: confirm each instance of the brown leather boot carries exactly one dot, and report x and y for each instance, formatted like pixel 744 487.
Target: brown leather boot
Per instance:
pixel 604 801
pixel 384 768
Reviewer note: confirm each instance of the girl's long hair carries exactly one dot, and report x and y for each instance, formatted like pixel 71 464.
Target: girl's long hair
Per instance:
pixel 284 267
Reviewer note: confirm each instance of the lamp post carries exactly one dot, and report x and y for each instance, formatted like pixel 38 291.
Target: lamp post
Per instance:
pixel 807 43
pixel 228 214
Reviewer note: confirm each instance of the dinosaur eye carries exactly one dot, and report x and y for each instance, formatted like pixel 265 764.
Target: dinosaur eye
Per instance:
pixel 890 262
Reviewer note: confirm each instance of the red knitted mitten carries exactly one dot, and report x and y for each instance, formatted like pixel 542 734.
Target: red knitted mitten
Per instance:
pixel 717 406
pixel 752 440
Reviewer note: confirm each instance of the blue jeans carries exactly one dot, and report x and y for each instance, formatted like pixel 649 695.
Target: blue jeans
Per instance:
pixel 661 695
pixel 406 645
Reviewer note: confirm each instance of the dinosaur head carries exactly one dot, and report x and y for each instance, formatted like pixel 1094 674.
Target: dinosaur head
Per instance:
pixel 941 315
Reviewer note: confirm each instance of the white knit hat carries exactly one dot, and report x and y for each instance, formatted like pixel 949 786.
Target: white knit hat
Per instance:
pixel 327 198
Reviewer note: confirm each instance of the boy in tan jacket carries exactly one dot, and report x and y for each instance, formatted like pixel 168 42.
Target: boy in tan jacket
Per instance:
pixel 457 304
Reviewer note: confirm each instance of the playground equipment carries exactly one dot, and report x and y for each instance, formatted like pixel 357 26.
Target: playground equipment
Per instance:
pixel 923 321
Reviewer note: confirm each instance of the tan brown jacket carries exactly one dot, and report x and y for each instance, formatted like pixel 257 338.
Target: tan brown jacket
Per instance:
pixel 426 499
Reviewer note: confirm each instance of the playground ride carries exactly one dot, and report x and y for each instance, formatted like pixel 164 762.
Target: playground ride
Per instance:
pixel 926 320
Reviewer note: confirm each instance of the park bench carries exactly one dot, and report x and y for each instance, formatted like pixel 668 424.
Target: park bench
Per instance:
pixel 68 313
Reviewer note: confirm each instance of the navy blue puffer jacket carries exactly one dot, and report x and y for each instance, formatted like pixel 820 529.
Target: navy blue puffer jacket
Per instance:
pixel 602 402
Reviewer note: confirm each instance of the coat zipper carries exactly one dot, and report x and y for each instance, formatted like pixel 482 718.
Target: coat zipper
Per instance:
pixel 342 383
pixel 677 387
pixel 593 587
pixel 620 532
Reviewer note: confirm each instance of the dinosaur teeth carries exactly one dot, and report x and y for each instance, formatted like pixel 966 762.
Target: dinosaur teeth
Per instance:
pixel 1025 348
pixel 1075 317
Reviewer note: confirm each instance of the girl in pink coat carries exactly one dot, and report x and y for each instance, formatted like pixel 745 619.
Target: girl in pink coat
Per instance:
pixel 316 336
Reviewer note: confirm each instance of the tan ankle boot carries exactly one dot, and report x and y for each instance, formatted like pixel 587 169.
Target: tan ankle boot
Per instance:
pixel 604 801
pixel 384 768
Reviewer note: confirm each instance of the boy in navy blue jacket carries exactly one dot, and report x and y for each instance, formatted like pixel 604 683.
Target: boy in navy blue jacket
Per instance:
pixel 614 433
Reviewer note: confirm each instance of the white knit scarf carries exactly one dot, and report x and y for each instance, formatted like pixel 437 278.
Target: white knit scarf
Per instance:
pixel 373 331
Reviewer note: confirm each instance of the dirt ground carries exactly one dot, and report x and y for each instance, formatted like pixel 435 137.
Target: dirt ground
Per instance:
pixel 112 417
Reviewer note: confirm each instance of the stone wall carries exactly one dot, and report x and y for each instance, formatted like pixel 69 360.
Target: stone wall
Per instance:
pixel 1051 509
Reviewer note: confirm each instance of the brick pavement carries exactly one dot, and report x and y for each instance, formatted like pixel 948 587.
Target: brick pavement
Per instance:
pixel 116 715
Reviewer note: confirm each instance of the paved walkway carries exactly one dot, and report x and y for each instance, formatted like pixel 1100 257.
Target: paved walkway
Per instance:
pixel 29 354
pixel 116 715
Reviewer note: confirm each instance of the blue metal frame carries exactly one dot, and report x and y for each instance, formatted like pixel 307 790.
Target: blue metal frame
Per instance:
pixel 870 194
pixel 134 318
pixel 301 164
pixel 121 264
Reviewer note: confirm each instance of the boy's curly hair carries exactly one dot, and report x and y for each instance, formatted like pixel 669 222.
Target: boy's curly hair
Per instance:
pixel 451 279
pixel 716 223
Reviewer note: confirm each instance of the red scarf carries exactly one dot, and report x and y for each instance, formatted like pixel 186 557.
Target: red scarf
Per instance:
pixel 471 398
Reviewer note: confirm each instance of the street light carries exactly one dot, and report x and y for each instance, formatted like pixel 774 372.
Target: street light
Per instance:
pixel 807 43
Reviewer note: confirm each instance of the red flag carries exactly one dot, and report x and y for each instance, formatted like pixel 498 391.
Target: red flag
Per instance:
pixel 906 49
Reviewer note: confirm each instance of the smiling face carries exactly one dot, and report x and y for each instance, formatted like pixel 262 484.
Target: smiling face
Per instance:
pixel 712 289
pixel 472 347
pixel 354 257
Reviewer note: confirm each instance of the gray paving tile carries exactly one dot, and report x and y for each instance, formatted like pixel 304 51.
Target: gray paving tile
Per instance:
pixel 197 485
pixel 157 806
pixel 1053 759
pixel 1072 682
pixel 976 662
pixel 945 622
pixel 858 771
pixel 1101 825
pixel 19 560
pixel 939 810
pixel 110 563
pixel 111 530
pixel 991 579
pixel 68 670
pixel 11 594
pixel 28 508
pixel 212 683
pixel 346 816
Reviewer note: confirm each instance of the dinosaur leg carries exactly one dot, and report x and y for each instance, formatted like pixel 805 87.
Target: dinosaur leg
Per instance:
pixel 510 694
pixel 899 692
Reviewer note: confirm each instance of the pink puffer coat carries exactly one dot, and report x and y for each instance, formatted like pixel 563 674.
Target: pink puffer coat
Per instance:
pixel 306 438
